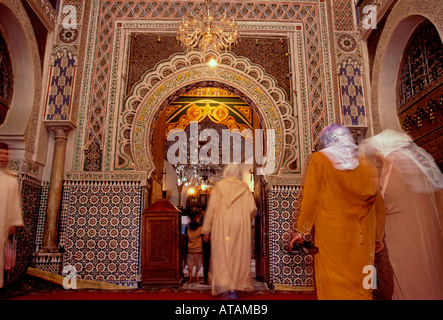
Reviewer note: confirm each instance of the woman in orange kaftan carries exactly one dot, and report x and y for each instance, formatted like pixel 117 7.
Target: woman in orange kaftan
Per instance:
pixel 341 198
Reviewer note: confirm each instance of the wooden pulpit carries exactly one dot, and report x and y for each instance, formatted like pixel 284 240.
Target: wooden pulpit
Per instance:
pixel 161 244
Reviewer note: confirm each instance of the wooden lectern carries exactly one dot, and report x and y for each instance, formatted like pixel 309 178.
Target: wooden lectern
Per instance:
pixel 161 244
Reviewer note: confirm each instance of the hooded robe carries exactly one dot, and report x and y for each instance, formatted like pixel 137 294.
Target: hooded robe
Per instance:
pixel 10 210
pixel 411 185
pixel 228 219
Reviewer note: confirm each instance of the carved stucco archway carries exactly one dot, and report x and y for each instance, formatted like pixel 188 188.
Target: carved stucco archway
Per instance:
pixel 184 71
pixel 404 18
pixel 21 126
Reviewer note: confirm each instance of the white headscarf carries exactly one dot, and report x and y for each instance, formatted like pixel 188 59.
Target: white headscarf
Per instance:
pixel 338 145
pixel 390 140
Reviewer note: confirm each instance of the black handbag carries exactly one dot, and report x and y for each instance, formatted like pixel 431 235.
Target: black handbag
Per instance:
pixel 307 247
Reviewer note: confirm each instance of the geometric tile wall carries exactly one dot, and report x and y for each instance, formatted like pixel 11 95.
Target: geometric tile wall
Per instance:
pixel 343 17
pixel 286 267
pixel 351 93
pixel 30 190
pixel 41 217
pixel 61 86
pixel 102 231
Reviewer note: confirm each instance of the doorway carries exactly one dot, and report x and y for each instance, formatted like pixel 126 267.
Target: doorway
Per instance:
pixel 189 169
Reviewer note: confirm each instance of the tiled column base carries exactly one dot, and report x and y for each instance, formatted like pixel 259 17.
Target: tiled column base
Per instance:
pixel 50 262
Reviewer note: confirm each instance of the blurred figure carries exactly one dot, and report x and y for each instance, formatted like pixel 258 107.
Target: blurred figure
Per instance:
pixel 227 225
pixel 206 253
pixel 411 186
pixel 341 198
pixel 10 204
pixel 195 246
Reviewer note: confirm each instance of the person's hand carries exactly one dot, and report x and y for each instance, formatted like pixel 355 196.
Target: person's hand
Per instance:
pixel 12 230
pixel 379 246
pixel 297 238
pixel 206 237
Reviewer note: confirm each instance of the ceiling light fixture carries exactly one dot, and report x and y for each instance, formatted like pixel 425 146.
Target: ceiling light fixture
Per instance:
pixel 207 33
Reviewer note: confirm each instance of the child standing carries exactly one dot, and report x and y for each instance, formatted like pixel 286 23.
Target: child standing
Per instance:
pixel 195 246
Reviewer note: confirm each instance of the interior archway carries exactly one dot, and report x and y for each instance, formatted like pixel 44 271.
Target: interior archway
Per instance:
pixel 16 121
pixel 214 115
pixel 389 69
pixel 400 25
pixel 414 114
pixel 186 71
pixel 189 186
pixel 182 72
pixel 6 79
pixel 420 90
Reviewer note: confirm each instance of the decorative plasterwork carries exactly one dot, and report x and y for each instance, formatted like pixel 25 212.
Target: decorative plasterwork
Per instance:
pixel 350 73
pixel 304 22
pixel 182 71
pixel 45 12
pixel 26 168
pixel 232 117
pixel 63 65
pixel 139 177
pixel 185 70
pixel 26 62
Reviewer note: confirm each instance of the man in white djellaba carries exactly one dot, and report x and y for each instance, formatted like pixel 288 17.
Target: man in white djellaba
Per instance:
pixel 227 224
pixel 10 205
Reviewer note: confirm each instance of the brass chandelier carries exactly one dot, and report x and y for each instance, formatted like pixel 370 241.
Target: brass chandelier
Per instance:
pixel 208 33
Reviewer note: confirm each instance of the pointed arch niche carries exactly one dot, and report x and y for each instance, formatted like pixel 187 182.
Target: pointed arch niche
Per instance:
pixel 130 116
pixel 16 129
pixel 183 72
pixel 186 71
pixel 406 16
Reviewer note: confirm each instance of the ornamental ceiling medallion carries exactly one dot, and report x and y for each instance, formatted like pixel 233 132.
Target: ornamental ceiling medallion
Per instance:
pixel 195 113
pixel 220 113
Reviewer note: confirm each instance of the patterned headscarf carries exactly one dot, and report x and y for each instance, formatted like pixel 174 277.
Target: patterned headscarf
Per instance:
pixel 390 140
pixel 338 144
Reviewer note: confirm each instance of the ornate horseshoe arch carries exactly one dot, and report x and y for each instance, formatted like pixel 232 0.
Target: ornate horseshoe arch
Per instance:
pixel 184 71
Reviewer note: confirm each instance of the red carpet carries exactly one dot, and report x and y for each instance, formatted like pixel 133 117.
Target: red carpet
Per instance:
pixel 139 294
pixel 169 303
pixel 28 287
